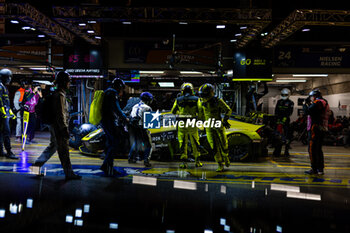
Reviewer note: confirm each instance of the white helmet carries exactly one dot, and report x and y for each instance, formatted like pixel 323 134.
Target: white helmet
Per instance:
pixel 285 93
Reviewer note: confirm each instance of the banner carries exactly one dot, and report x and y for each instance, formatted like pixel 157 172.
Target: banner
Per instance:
pixel 31 52
pixel 312 57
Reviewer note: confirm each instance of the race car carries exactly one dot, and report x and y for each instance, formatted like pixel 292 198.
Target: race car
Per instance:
pixel 244 139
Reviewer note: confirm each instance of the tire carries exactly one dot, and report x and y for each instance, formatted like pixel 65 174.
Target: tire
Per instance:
pixel 239 146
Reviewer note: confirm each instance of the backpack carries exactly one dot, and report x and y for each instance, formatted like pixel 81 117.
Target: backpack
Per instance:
pixel 325 115
pixel 48 111
pixel 95 114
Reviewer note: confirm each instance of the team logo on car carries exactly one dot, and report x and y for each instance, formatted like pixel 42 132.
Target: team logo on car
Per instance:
pixel 151 120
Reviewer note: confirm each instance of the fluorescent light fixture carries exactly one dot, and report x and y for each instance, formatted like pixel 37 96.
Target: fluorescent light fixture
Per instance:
pixel 13 208
pixel 251 79
pixel 90 31
pixel 280 187
pixel 310 75
pixel 33 29
pixel 2 213
pixel 229 72
pixel 14 21
pixel 69 218
pixel 25 28
pixel 183 23
pixel 307 196
pixel 126 22
pixel 222 221
pixel 78 222
pixel 92 21
pixel 208 231
pixel 29 203
pixel 41 36
pixel 238 34
pixel 291 80
pixel 151 72
pixel 178 184
pixel 170 231
pixel 113 225
pixel 38 68
pixel 43 82
pixel 166 84
pixel 279 229
pixel 227 228
pixel 233 41
pixel 144 180
pixel 220 26
pixel 78 213
pixel 242 28
pixel 306 30
pixel 98 37
pixel 190 72
pixel 86 208
pixel 82 24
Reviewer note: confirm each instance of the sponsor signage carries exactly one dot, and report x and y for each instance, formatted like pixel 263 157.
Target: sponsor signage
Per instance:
pixel 31 52
pixel 252 64
pixel 312 57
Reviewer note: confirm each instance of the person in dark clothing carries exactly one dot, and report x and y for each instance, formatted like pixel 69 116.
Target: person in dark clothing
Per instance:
pixel 112 122
pixel 317 110
pixel 252 98
pixel 5 114
pixel 59 134
pixel 283 111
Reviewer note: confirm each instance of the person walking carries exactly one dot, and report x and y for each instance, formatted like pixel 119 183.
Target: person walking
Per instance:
pixel 58 127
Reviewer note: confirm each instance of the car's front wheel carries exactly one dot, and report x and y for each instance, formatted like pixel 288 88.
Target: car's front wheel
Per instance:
pixel 239 146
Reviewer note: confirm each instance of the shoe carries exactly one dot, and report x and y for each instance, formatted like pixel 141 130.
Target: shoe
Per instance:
pixel 183 165
pixel 310 172
pixel 220 168
pixel 198 164
pixel 227 161
pixel 11 155
pixel 320 172
pixel 109 170
pixel 147 164
pixel 131 161
pixel 73 177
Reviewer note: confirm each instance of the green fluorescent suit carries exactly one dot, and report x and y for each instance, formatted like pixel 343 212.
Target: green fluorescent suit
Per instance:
pixel 187 107
pixel 216 136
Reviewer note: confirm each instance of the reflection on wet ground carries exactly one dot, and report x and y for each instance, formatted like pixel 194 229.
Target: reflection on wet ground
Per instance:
pixel 271 195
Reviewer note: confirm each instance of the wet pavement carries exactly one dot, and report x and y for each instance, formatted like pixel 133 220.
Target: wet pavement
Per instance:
pixel 269 195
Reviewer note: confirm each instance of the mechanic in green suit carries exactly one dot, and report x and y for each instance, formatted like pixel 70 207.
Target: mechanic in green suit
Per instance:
pixel 212 108
pixel 187 107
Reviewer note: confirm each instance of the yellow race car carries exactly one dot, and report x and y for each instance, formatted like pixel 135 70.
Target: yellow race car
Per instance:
pixel 244 139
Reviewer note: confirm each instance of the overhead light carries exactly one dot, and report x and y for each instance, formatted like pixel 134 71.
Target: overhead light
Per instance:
pixel 14 21
pixel 251 79
pixel 82 24
pixel 33 29
pixel 238 34
pixel 113 225
pixel 151 72
pixel 233 41
pixel 291 80
pixel 90 31
pixel 41 36
pixel 220 26
pixel 190 72
pixel 25 28
pixel 38 68
pixel 92 21
pixel 242 28
pixel 306 30
pixel 166 84
pixel 183 23
pixel 310 75
pixel 127 22
pixel 98 37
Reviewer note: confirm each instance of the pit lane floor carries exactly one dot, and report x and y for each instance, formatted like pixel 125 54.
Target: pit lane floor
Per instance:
pixel 269 195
